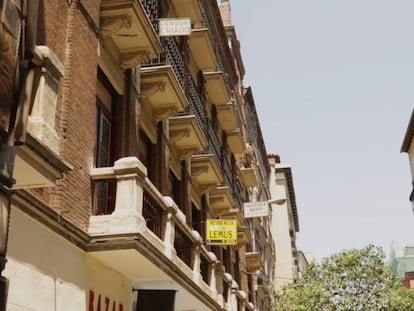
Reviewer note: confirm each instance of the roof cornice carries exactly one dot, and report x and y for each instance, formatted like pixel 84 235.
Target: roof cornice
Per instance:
pixel 409 134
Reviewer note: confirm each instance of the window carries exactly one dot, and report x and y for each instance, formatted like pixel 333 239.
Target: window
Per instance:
pixel 175 189
pixel 104 191
pixel 198 221
pixel 103 144
pixel 147 154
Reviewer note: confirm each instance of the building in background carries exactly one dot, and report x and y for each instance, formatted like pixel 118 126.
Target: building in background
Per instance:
pixel 402 264
pixel 260 252
pixel 135 143
pixel 402 261
pixel 303 261
pixel 408 147
pixel 284 224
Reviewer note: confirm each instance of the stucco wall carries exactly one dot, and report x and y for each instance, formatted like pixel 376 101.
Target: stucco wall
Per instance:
pixel 46 272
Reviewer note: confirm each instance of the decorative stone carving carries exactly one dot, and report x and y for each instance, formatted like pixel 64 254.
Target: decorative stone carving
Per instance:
pixel 113 24
pixel 132 59
pixel 216 199
pixel 207 187
pixel 196 171
pixel 163 113
pixel 178 134
pixel 149 89
pixel 186 153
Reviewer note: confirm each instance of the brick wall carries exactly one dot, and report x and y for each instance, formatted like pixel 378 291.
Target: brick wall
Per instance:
pixel 64 28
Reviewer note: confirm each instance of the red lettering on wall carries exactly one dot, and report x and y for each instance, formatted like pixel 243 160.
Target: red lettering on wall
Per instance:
pixel 99 303
pixel 91 298
pixel 107 302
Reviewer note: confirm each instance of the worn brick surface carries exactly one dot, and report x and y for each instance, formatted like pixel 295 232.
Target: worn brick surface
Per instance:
pixel 64 28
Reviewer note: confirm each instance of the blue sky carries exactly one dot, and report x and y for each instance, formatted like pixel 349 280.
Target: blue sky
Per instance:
pixel 333 83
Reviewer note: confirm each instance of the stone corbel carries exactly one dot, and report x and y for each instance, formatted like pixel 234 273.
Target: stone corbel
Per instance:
pixel 217 211
pixel 207 187
pixel 163 113
pixel 149 89
pixel 129 60
pixel 113 24
pixel 216 199
pixel 196 171
pixel 186 153
pixel 178 134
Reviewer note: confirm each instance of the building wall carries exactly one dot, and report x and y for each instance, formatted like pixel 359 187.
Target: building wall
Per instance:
pixel 64 29
pixel 411 160
pixel 283 225
pixel 48 272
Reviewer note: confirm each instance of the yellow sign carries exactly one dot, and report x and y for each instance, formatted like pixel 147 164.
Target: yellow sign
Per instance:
pixel 221 231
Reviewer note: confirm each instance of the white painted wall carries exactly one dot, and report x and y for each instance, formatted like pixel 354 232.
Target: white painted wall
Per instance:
pixel 282 221
pixel 46 272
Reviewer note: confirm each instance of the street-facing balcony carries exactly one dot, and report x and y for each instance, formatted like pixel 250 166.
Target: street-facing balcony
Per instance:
pixel 221 200
pixel 146 237
pixel 253 261
pixel 188 8
pixel 216 87
pixel 186 136
pixel 249 176
pixel 128 39
pixel 235 141
pixel 227 117
pixel 202 49
pixel 126 26
pixel 243 236
pixel 235 213
pixel 205 172
pixel 161 92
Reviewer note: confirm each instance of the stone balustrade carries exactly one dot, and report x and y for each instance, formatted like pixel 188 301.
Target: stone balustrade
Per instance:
pixel 132 185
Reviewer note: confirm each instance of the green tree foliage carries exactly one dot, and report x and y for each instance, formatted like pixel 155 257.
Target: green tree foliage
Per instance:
pixel 352 280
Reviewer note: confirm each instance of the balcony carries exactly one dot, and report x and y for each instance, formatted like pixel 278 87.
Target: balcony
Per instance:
pixel 202 49
pixel 235 141
pixel 147 239
pixel 216 87
pixel 235 213
pixel 128 39
pixel 243 236
pixel 221 200
pixel 186 136
pixel 249 177
pixel 162 94
pixel 226 115
pixel 253 261
pixel 188 8
pixel 126 27
pixel 205 172
pixel 36 165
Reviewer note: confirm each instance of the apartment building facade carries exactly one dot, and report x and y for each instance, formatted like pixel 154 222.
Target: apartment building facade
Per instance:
pixel 118 147
pixel 408 147
pixel 402 264
pixel 285 225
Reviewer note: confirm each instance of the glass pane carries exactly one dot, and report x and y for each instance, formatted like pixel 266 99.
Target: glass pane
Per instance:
pixel 104 142
pixel 101 198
